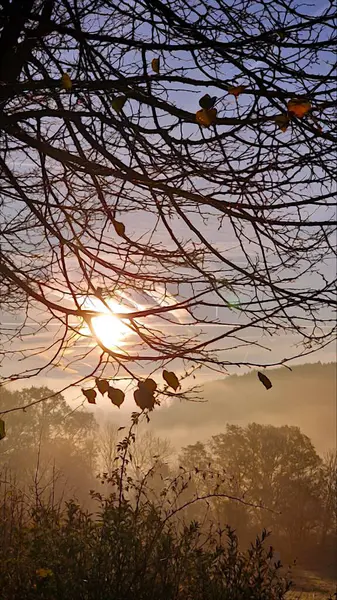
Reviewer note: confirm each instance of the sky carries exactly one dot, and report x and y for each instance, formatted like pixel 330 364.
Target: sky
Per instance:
pixel 281 346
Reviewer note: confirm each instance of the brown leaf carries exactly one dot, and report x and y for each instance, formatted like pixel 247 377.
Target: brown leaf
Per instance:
pixel 171 379
pixel 116 396
pixel 66 82
pixel 102 385
pixel 90 395
pixel 151 385
pixel 143 397
pixel 118 102
pixel 264 380
pixel 207 101
pixel 282 121
pixel 155 64
pixel 119 228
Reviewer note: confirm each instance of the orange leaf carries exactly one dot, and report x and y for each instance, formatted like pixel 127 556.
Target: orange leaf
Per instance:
pixel 171 379
pixel 155 64
pixel 206 117
pixel 299 107
pixel 236 91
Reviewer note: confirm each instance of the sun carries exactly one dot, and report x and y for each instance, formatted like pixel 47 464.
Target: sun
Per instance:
pixel 109 329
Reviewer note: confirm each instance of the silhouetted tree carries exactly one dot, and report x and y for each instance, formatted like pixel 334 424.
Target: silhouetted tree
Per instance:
pixel 111 188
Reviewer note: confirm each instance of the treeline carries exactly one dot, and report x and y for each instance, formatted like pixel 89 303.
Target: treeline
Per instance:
pixel 249 478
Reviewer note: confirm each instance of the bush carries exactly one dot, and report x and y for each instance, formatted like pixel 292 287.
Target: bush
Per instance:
pixel 126 552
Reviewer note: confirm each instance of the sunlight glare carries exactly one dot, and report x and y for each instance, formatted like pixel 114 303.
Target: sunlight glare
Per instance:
pixel 109 329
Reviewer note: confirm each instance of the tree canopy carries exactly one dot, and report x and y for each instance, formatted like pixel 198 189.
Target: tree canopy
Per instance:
pixel 170 163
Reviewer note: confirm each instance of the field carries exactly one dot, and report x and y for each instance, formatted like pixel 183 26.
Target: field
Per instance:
pixel 310 586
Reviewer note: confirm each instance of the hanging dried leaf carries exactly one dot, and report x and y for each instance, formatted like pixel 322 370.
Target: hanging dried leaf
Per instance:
pixel 116 396
pixel 102 385
pixel 2 429
pixel 118 102
pixel 171 379
pixel 282 121
pixel 207 101
pixel 237 90
pixel 66 82
pixel 299 107
pixel 90 395
pixel 155 64
pixel 144 397
pixel 264 380
pixel 151 385
pixel 119 228
pixel 206 117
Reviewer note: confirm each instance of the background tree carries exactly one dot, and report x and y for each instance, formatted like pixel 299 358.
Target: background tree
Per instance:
pixel 48 446
pixel 114 189
pixel 272 467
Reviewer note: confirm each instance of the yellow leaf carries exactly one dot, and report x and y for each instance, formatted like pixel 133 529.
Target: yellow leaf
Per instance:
pixel 2 429
pixel 237 90
pixel 90 395
pixel 66 82
pixel 282 121
pixel 206 117
pixel 171 379
pixel 116 396
pixel 299 107
pixel 43 573
pixel 155 64
pixel 264 380
pixel 118 102
pixel 102 385
pixel 119 228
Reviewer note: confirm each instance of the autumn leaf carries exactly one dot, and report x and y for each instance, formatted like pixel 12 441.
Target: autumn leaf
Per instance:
pixel 282 121
pixel 171 379
pixel 2 429
pixel 118 102
pixel 116 396
pixel 102 385
pixel 66 82
pixel 43 573
pixel 90 395
pixel 207 101
pixel 298 107
pixel 119 228
pixel 206 117
pixel 155 64
pixel 264 380
pixel 150 384
pixel 237 90
pixel 144 397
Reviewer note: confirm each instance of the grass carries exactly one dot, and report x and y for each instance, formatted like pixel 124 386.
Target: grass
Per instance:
pixel 310 586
